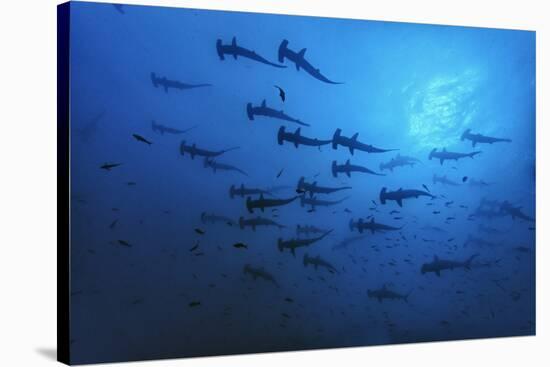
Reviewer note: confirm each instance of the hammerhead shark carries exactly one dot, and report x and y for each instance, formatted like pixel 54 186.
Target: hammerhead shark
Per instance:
pixel 297 139
pixel 352 144
pixel 168 130
pixel 317 261
pixel 313 188
pixel 235 51
pixel 438 265
pixel 246 191
pixel 194 151
pixel 214 218
pixel 398 161
pixel 263 110
pixel 514 211
pixel 314 202
pixel 443 180
pixel 263 203
pixel 481 139
pixel 384 293
pixel 444 155
pixel 347 168
pixel 371 225
pixel 256 273
pixel 347 241
pixel 210 163
pixel 401 194
pixel 294 243
pixel 308 229
pixel 298 58
pixel 174 84
pixel 258 221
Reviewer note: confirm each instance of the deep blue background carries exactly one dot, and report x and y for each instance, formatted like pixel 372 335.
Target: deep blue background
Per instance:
pixel 407 86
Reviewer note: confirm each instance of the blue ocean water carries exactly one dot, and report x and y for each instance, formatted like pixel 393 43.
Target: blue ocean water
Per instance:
pixel 152 277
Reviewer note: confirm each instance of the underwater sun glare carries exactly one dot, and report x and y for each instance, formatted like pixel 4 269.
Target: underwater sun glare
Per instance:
pixel 443 109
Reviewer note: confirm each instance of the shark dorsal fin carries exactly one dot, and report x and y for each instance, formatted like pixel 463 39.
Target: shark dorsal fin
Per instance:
pixel 263 103
pixel 297 132
pixel 354 137
pixel 234 42
pixel 302 53
pixel 400 189
pixel 347 162
pixel 314 183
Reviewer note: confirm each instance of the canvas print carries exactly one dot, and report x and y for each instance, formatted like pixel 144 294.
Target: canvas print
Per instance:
pixel 244 183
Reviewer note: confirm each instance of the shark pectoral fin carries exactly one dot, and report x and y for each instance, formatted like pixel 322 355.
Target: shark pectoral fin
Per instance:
pixel 297 67
pixel 351 150
pixel 348 173
pixel 441 161
pixel 438 273
pixel 296 144
pixel 400 202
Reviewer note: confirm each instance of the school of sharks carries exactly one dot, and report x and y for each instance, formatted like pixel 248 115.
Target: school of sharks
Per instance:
pixel 355 240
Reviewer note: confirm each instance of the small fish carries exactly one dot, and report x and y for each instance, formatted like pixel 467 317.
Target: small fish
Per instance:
pixel 282 93
pixel 465 178
pixel 124 243
pixel 289 300
pixel 311 210
pixel 109 166
pixel 240 245
pixel 426 187
pixel 394 212
pixel 397 218
pixel 113 224
pixel 280 172
pixel 131 183
pixel 199 231
pixel 436 212
pixel 194 304
pixel 194 247
pixel 142 139
pixel 347 210
pixel 450 218
pixel 285 315
pixel 450 239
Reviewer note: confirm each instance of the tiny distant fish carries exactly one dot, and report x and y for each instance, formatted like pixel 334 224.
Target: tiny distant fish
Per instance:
pixel 115 209
pixel 285 315
pixel 124 243
pixel 426 187
pixel 436 212
pixel 464 206
pixel 113 224
pixel 131 183
pixel 465 178
pixel 240 245
pixel 347 210
pixel 141 139
pixel 194 304
pixel 450 218
pixel 311 210
pixel 280 172
pixel 374 202
pixel 194 247
pixel 137 301
pixel 450 239
pixel 394 212
pixel 199 254
pixel 316 175
pixel 199 231
pixel 109 166
pixel 397 218
pixel 289 300
pixel 454 167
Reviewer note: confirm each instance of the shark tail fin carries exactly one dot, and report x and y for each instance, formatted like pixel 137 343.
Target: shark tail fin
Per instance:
pixel 335 138
pixel 283 50
pixel 154 79
pixel 406 297
pixel 219 49
pixel 334 169
pixel 383 195
pixel 281 135
pixel 241 222
pixel 473 154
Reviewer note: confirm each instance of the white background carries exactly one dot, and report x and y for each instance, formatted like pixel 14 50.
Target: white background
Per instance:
pixel 28 182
